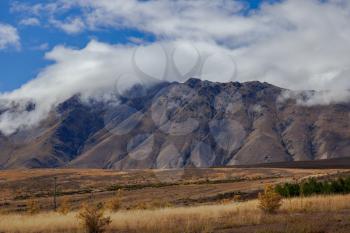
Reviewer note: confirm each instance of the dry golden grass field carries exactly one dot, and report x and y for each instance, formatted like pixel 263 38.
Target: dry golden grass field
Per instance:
pixel 190 200
pixel 297 215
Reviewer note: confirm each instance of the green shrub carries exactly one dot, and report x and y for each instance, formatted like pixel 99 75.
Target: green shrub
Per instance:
pixel 288 190
pixel 312 187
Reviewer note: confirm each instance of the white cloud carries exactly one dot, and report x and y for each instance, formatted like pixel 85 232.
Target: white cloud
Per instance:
pixel 295 44
pixel 70 26
pixel 30 22
pixel 8 36
pixel 94 71
pixel 41 47
pixel 168 18
pixel 136 40
pixel 48 11
pixel 90 71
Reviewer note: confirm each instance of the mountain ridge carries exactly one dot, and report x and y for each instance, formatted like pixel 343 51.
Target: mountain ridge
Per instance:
pixel 176 125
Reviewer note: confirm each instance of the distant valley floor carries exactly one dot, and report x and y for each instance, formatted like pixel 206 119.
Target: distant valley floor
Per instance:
pixel 184 187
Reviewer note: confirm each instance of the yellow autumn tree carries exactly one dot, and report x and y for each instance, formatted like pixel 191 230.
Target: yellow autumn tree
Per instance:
pixel 269 200
pixel 92 218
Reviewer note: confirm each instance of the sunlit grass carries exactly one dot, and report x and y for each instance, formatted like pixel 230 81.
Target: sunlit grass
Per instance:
pixel 177 219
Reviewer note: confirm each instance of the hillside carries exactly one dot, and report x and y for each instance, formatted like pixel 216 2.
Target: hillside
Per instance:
pixel 175 125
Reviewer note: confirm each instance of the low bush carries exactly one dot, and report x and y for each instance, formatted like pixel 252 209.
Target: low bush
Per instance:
pixel 269 200
pixel 33 206
pixel 114 204
pixel 64 206
pixel 92 218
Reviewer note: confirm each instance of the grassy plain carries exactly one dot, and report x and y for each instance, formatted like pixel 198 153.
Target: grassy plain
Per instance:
pixel 307 215
pixel 190 200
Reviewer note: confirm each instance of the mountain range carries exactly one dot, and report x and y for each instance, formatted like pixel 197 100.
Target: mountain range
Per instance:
pixel 176 125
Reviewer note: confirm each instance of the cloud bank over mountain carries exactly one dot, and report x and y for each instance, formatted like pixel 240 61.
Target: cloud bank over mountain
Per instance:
pixel 295 44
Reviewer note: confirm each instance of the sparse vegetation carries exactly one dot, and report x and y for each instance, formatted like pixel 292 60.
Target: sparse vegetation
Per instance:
pixel 141 186
pixel 33 206
pixel 114 204
pixel 152 205
pixel 64 206
pixel 269 200
pixel 92 218
pixel 223 202
pixel 237 198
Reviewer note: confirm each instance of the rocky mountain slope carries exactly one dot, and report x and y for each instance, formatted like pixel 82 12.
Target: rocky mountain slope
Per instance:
pixel 175 125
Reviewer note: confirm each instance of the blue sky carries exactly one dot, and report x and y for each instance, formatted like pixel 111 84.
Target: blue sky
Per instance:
pixel 18 65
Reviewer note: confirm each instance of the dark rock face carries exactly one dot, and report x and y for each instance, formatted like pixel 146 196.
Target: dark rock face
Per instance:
pixel 174 125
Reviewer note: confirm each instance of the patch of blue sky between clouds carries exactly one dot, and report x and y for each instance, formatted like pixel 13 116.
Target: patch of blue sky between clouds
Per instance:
pixel 20 66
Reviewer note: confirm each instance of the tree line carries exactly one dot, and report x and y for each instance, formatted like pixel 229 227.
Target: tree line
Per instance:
pixel 312 186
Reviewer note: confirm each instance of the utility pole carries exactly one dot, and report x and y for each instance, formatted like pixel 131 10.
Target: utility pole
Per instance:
pixel 55 194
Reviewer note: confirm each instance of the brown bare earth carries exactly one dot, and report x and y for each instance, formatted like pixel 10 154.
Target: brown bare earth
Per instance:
pixel 173 187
